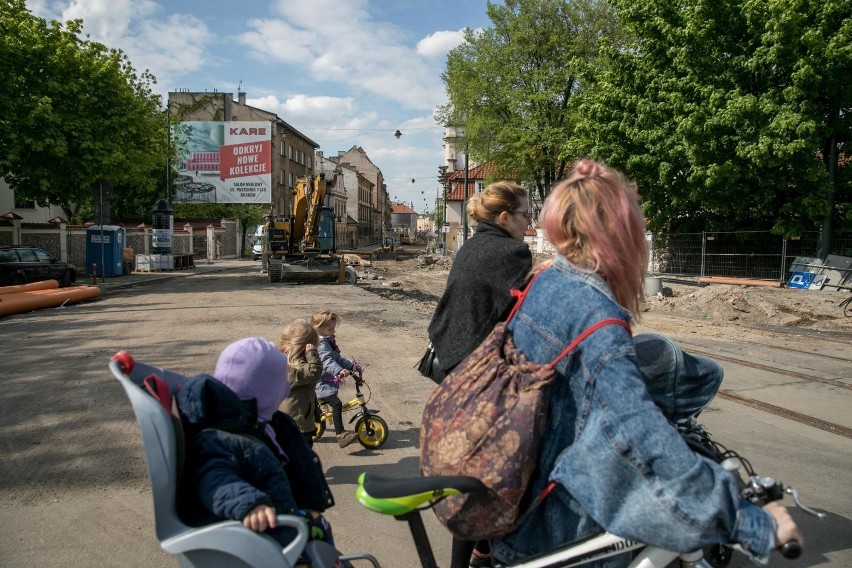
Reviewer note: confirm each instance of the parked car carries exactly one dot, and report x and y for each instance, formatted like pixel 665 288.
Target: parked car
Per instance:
pixel 257 249
pixel 19 265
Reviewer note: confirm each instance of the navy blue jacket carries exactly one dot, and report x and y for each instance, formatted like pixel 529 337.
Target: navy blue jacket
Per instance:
pixel 228 466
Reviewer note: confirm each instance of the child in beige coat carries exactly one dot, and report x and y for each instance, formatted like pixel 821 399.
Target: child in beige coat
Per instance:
pixel 298 342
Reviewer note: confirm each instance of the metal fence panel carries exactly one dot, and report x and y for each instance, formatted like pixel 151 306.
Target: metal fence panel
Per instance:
pixel 738 254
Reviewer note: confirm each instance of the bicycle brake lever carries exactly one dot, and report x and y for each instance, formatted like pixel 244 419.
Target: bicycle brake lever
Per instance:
pixel 795 494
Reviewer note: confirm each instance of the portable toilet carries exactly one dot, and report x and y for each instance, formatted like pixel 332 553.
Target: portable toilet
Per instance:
pixel 105 250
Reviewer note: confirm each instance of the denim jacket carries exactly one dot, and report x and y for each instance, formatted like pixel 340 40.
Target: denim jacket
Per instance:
pixel 618 462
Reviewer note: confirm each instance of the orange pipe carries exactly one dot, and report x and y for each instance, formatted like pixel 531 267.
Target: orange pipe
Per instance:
pixel 738 281
pixel 37 299
pixel 15 288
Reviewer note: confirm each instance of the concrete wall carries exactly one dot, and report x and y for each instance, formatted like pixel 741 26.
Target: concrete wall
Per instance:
pixel 68 243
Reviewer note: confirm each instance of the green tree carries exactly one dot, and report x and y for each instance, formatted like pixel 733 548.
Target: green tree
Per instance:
pixel 75 112
pixel 729 114
pixel 511 86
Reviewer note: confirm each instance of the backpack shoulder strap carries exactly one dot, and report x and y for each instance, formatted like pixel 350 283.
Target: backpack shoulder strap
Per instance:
pixel 520 296
pixel 591 329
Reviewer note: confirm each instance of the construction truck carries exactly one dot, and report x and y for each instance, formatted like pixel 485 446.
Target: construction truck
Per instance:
pixel 301 247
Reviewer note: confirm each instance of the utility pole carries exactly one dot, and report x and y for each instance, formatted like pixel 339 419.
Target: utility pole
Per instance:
pixel 464 199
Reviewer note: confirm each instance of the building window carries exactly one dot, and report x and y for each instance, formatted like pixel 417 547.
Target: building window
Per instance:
pixel 24 204
pixel 309 162
pixel 281 177
pixel 280 147
pixel 290 179
pixel 480 185
pixel 290 150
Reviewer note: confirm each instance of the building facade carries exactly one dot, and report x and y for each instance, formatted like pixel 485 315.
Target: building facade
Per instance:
pixel 380 213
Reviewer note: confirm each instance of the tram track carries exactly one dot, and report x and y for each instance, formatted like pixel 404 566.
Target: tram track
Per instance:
pixel 802 351
pixel 776 370
pixel 788 414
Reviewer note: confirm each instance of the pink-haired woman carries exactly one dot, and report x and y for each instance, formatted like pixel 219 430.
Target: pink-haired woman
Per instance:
pixel 619 463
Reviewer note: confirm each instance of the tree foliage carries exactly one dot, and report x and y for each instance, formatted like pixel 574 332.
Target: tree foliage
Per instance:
pixel 75 112
pixel 729 114
pixel 511 85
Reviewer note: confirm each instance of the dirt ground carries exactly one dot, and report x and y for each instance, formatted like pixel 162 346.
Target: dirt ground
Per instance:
pixel 420 281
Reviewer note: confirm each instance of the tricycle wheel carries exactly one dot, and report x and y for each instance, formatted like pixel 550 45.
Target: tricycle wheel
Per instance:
pixel 372 432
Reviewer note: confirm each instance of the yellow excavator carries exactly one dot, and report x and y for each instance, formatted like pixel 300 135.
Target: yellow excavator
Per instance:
pixel 301 247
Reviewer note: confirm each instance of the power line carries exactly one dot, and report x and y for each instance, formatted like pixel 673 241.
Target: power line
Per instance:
pixel 375 129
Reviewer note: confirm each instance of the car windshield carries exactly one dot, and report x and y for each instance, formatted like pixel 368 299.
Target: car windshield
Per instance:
pixel 42 255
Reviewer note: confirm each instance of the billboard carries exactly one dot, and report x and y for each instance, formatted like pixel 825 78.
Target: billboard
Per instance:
pixel 223 162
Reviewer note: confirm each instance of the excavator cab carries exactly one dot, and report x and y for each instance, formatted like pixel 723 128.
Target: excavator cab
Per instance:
pixel 301 247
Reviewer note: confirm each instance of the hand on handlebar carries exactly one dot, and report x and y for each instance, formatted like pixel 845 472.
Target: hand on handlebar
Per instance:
pixel 786 530
pixel 259 518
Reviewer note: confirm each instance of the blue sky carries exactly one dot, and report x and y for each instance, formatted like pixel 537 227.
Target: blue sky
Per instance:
pixel 343 72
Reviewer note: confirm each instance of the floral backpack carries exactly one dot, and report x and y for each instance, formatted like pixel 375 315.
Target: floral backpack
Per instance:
pixel 486 420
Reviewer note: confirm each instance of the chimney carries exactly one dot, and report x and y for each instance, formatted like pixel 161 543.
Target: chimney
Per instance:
pixel 241 98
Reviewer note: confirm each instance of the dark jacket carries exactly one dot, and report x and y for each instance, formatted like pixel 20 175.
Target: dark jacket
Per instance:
pixel 231 464
pixel 477 296
pixel 231 470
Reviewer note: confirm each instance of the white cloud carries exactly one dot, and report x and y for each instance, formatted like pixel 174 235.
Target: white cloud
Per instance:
pixel 167 47
pixel 439 43
pixel 351 48
pixel 275 39
pixel 171 46
pixel 109 20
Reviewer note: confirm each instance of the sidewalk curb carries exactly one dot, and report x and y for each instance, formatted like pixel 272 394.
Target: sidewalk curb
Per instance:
pixel 136 279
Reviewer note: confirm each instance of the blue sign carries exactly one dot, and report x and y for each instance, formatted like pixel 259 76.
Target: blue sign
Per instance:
pixel 800 280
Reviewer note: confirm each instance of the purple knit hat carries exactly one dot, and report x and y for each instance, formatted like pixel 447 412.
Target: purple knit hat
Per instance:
pixel 255 368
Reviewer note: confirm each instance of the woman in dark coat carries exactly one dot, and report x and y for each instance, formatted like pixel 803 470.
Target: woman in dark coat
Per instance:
pixel 477 297
pixel 492 262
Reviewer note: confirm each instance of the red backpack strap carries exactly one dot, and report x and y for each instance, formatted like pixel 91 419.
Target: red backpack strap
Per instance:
pixel 588 332
pixel 520 296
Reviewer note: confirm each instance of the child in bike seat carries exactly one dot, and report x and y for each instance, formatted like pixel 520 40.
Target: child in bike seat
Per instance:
pixel 298 342
pixel 334 368
pixel 244 460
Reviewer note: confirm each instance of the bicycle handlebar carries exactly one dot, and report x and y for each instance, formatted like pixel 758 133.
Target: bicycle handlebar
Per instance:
pixel 763 490
pixel 791 549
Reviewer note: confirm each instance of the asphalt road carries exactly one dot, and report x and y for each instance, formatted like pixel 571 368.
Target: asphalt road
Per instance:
pixel 73 480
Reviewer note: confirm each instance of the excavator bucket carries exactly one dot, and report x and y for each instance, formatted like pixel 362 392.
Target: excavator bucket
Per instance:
pixel 307 270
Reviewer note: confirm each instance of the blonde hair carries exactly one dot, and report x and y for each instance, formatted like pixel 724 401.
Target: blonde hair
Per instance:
pixel 594 220
pixel 495 198
pixel 294 337
pixel 322 318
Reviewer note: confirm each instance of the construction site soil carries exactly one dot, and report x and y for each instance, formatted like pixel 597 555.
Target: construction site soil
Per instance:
pixel 720 309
